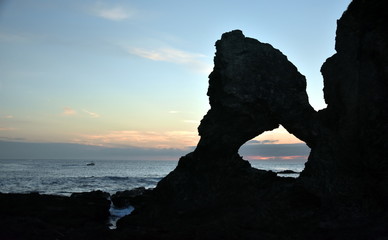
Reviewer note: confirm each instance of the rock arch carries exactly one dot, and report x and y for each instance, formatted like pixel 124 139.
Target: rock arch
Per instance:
pixel 254 88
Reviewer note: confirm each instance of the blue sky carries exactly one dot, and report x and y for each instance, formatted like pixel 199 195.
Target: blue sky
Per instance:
pixel 134 73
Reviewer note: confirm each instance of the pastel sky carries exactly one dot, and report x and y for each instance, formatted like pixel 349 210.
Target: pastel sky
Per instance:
pixel 135 73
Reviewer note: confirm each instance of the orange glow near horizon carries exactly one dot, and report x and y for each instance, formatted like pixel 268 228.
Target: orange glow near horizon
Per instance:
pixel 168 139
pixel 278 136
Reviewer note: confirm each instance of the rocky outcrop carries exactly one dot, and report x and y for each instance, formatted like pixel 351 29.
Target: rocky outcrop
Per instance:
pixel 134 197
pixel 36 216
pixel 253 88
pixel 342 193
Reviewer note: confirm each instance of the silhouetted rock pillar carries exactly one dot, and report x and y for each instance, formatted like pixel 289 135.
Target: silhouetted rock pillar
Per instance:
pixel 350 158
pixel 253 88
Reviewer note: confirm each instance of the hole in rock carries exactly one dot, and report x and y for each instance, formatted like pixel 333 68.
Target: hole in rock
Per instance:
pixel 278 151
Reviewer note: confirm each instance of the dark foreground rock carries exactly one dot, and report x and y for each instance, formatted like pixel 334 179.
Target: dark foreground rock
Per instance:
pixel 287 172
pixel 342 193
pixel 134 197
pixel 35 216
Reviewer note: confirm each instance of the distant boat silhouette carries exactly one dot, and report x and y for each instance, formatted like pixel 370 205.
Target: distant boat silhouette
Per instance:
pixel 90 164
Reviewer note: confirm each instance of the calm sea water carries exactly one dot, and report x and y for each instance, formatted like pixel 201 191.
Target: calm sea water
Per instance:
pixel 63 177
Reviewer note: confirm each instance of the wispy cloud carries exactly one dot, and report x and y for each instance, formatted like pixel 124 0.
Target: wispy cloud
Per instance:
pixel 254 142
pixel 147 139
pixel 173 112
pixel 67 111
pixel 194 61
pixel 7 117
pixel 91 114
pixel 167 54
pixel 7 129
pixel 19 148
pixel 114 13
pixel 12 139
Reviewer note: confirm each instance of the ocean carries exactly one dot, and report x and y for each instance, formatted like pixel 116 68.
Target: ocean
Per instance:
pixel 64 177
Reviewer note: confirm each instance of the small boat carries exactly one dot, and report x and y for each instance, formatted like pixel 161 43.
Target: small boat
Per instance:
pixel 90 164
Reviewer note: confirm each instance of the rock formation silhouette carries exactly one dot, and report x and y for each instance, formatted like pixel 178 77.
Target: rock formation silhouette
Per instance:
pixel 343 191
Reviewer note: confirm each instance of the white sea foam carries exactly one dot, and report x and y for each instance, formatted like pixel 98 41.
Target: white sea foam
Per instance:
pixel 117 213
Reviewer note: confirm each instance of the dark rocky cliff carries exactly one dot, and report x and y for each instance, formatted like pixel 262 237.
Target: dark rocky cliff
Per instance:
pixel 351 151
pixel 343 191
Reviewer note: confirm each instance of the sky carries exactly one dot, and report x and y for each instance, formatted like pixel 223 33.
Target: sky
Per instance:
pixel 134 74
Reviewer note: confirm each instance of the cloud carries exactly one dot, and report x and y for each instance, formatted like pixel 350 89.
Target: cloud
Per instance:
pixel 7 117
pixel 91 114
pixel 297 157
pixel 13 149
pixel 274 151
pixel 67 111
pixel 167 54
pixel 6 129
pixel 255 142
pixel 144 139
pixel 12 139
pixel 114 13
pixel 192 60
pixel 173 112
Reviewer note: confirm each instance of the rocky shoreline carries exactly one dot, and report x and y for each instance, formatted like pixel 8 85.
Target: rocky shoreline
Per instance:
pixel 284 210
pixel 79 216
pixel 36 216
